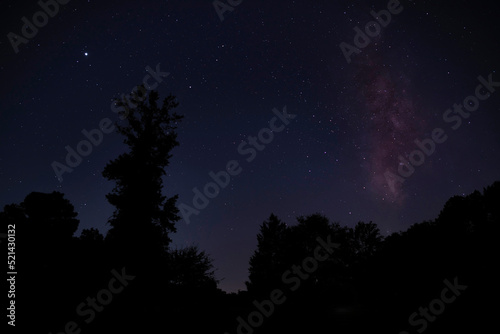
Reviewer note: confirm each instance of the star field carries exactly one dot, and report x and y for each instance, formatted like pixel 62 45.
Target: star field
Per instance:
pixel 353 119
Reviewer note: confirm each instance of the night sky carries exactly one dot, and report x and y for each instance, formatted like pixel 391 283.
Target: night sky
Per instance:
pixel 232 77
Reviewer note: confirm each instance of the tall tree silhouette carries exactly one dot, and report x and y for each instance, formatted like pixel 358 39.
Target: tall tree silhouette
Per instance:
pixel 267 263
pixel 143 217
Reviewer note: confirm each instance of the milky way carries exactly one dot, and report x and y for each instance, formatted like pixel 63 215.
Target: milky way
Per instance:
pixel 390 119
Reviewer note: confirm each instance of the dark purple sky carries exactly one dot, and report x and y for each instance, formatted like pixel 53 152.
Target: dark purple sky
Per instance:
pixel 352 120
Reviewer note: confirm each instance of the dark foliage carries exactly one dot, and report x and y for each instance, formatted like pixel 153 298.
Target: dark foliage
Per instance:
pixel 324 275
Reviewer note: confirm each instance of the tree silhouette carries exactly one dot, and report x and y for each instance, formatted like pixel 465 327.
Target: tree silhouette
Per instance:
pixel 91 236
pixel 268 262
pixel 192 268
pixel 366 240
pixel 50 217
pixel 46 223
pixel 45 250
pixel 143 217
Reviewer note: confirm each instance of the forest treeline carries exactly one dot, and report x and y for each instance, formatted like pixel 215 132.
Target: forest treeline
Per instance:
pixel 313 275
